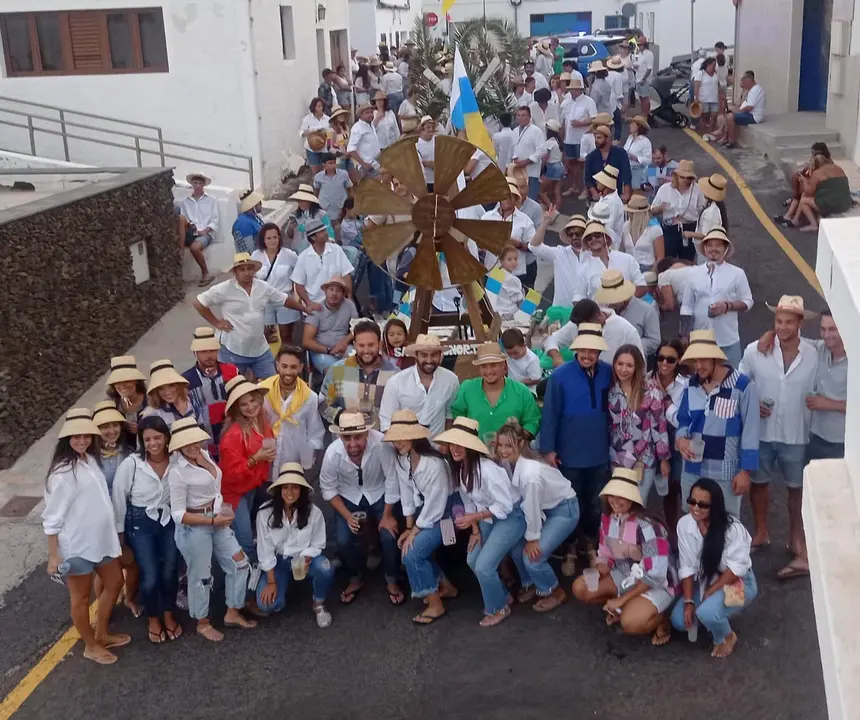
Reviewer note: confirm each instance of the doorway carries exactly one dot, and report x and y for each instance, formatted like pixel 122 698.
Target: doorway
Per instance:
pixel 337 42
pixel 321 57
pixel 815 55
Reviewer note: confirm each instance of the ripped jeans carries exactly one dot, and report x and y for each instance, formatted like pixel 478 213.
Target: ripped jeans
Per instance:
pixel 198 544
pixel 320 572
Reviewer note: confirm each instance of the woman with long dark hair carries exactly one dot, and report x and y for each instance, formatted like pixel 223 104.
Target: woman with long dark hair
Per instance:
pixel 126 386
pixel 715 567
pixel 141 501
pixel 277 263
pixel 82 539
pixel 714 213
pixel 290 541
pixel 424 481
pixel 487 494
pixel 362 84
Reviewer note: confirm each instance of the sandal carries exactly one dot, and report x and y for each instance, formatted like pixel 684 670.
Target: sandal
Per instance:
pixel 242 623
pixel 134 608
pixel 156 638
pixel 661 636
pixel 424 619
pixel 210 633
pixel 790 572
pixel 527 594
pixel 396 598
pixel 347 596
pixel 102 658
pixel 115 640
pixel 204 281
pixel 550 602
pixel 174 633
pixel 725 648
pixel 496 618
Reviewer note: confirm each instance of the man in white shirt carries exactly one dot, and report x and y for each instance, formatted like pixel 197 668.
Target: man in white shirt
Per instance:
pixel 619 295
pixel 426 148
pixel 644 65
pixel 602 258
pixel 198 223
pixel 615 78
pixel 522 230
pixel 749 111
pixel 527 149
pixel 715 293
pixel 354 479
pixel 503 141
pixel 784 378
pixel 577 112
pixel 672 280
pixel 542 109
pixel 566 258
pixel 242 300
pixel 426 388
pixel 616 332
pixel 529 72
pixel 317 263
pixel 363 146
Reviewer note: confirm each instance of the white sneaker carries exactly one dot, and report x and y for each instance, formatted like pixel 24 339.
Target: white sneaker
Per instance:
pixel 323 616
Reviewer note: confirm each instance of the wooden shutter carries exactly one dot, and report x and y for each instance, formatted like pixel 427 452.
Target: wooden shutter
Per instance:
pixel 88 41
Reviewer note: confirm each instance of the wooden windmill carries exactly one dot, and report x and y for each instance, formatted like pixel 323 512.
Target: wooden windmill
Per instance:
pixel 428 221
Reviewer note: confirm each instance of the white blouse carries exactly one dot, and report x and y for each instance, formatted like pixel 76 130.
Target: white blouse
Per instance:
pixel 709 219
pixel 684 206
pixel 192 486
pixel 137 483
pixel 281 274
pixel 426 488
pixel 495 492
pixel 289 541
pixel 79 512
pixel 551 150
pixel 640 146
pixel 311 122
pixel 387 129
pixel 736 551
pixel 542 488
pixel 643 249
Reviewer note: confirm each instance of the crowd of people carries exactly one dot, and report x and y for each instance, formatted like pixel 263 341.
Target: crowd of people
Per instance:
pixel 550 454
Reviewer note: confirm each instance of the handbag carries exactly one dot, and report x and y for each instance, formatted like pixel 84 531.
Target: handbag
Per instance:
pixel 734 594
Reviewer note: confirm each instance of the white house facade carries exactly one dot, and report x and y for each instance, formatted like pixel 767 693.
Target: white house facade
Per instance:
pixel 372 22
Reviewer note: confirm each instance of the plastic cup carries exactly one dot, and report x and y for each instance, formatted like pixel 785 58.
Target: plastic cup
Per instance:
pixel 592 578
pixel 306 456
pixel 268 443
pixel 227 510
pixel 698 448
pixel 299 567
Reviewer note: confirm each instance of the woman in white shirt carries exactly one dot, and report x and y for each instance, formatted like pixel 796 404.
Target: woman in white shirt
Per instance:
pixel 679 204
pixel 141 502
pixel 707 90
pixel 492 511
pixel 553 169
pixel 551 511
pixel 642 235
pixel 426 147
pixel 408 113
pixel 290 542
pixel 203 528
pixel 384 120
pixel 362 83
pixel 638 149
pixel 82 539
pixel 714 567
pixel 714 214
pixel 316 121
pixel 277 263
pixel 424 482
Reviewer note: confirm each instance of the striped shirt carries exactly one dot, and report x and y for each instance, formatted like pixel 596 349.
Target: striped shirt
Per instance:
pixel 346 385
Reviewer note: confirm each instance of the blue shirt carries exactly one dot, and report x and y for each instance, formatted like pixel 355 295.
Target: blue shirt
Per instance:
pixel 245 230
pixel 617 158
pixel 575 422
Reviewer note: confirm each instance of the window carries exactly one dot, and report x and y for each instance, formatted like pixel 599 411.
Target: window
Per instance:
pixel 84 42
pixel 288 36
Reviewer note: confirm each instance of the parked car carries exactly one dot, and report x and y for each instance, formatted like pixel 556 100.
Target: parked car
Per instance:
pixel 585 49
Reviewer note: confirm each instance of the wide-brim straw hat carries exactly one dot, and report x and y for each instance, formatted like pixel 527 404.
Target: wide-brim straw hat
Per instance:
pixel 317 140
pixel 464 433
pixel 575 84
pixel 553 124
pixel 337 110
pixel 792 304
pixel 335 280
pixel 405 426
pixel 716 233
pixel 589 337
pixel 596 66
pixel 615 63
pixel 243 258
pixel 576 221
pixel 603 130
pixel 204 339
pixel 608 177
pixel 379 95
pixel 713 187
pixel 123 368
pixel 105 412
pixel 194 176
pixel 614 288
pixel 641 122
pixel 624 483
pixel 603 119
pixel 350 423
pixel 185 432
pixel 250 201
pixel 489 352
pixel 565 77
pixel 424 343
pixel 703 346
pixel 291 473
pixel 650 277
pixel 361 108
pixel 79 421
pixel 686 169
pixel 695 109
pixel 544 47
pixel 162 373
pixel 426 119
pixel 389 66
pixel 238 387
pixel 305 192
pixel 637 204
pixel 594 228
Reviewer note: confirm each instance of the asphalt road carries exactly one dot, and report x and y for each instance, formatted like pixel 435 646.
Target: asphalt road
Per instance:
pixel 373 663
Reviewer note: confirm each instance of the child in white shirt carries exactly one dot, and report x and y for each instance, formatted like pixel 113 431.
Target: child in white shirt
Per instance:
pixel 507 302
pixel 523 364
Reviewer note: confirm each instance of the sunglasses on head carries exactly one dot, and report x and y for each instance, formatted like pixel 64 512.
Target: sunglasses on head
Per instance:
pixel 671 359
pixel 699 504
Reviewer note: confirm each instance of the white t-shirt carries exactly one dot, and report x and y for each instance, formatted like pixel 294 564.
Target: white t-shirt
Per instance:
pixel 709 89
pixel 644 62
pixel 427 153
pixel 677 278
pixel 525 368
pixel 582 108
pixel 313 269
pixel 503 142
pixel 586 145
pixel 643 249
pixel 755 98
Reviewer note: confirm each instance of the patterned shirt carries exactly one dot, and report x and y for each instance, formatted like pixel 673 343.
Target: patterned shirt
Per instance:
pixel 727 419
pixel 346 385
pixel 627 540
pixel 209 400
pixel 638 435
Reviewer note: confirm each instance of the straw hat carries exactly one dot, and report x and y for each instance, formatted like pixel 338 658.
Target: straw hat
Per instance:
pixel 424 343
pixel 565 77
pixel 250 200
pixel 600 212
pixel 426 119
pixel 703 346
pixel 614 288
pixel 603 130
pixel 105 412
pixel 596 66
pixel 162 373
pixel 576 221
pixel 465 434
pixel 695 109
pixel 575 84
pixel 337 110
pixel 405 426
pixel 238 387
pixel 792 304
pixel 79 421
pixel 123 368
pixel 194 176
pixel 543 47
pixel 717 233
pixel 589 337
pixel 388 67
pixel 335 280
pixel 608 177
pixel 361 108
pixel 603 119
pixel 650 277
pixel 305 192
pixel 312 227
pixel 624 483
pixel 713 187
pixel 349 423
pixel 317 140
pixel 489 352
pixel 204 339
pixel 686 169
pixel 615 63
pixel 637 204
pixel 553 124
pixel 641 122
pixel 185 432
pixel 374 61
pixel 593 228
pixel 240 259
pixel 379 95
pixel 512 186
pixel 291 473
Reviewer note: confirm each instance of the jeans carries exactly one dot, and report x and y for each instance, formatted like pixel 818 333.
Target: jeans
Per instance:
pixel 617 126
pixel 424 574
pixel 733 502
pixel 588 482
pixel 734 354
pixel 263 366
pixel 821 449
pixel 243 525
pixel 380 288
pixel 638 174
pixel 198 544
pixel 320 572
pixel 323 362
pixel 154 547
pixel 394 101
pixel 352 554
pixel 497 540
pixel 534 188
pixel 559 524
pixel 713 613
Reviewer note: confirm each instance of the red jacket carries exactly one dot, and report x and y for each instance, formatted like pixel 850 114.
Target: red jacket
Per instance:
pixel 238 477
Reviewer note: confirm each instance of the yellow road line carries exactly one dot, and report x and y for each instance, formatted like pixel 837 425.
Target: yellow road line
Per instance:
pixel 759 212
pixel 15 699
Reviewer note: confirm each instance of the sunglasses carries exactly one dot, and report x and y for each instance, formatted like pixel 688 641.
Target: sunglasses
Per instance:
pixel 671 359
pixel 699 504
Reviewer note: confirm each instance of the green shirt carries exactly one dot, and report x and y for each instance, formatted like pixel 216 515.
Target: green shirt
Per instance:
pixel 558 55
pixel 515 401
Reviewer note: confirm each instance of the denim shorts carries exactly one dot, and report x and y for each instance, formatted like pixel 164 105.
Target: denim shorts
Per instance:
pixel 708 107
pixel 281 315
pixel 571 152
pixel 744 118
pixel 642 89
pixel 80 566
pixel 554 171
pixel 313 158
pixel 191 238
pixel 791 460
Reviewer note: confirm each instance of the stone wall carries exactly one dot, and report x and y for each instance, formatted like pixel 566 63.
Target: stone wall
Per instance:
pixel 68 298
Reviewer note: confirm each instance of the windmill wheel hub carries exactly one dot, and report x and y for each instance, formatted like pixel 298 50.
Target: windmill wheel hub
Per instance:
pixel 433 215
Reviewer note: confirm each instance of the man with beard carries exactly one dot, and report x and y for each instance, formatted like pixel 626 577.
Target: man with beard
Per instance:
pixel 356 383
pixel 206 381
pixel 327 333
pixel 565 258
pixel 605 153
pixel 425 388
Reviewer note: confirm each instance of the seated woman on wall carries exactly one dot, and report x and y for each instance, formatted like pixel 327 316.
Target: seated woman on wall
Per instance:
pixel 826 192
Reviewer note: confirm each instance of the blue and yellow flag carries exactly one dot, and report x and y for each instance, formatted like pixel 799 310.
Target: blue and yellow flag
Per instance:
pixel 464 109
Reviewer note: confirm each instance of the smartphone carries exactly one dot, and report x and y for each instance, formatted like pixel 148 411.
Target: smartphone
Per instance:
pixel 449 534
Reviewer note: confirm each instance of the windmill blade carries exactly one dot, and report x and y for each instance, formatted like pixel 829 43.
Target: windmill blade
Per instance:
pixel 452 155
pixel 383 241
pixel 375 198
pixel 489 187
pixel 424 268
pixel 401 160
pixel 490 235
pixel 463 268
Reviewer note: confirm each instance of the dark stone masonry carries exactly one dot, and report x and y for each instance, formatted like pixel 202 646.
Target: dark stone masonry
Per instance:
pixel 68 298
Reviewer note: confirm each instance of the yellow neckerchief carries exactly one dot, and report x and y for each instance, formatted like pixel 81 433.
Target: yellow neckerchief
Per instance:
pixel 272 386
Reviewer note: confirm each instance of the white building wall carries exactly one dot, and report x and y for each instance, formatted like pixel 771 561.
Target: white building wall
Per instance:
pixel 369 21
pixel 362 26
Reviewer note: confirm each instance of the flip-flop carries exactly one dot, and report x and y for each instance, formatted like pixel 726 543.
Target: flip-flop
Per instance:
pixel 393 597
pixel 789 572
pixel 108 659
pixel 348 598
pixel 157 638
pixel 428 619
pixel 175 633
pixel 117 640
pixel 760 546
pixel 247 625
pixel 206 281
